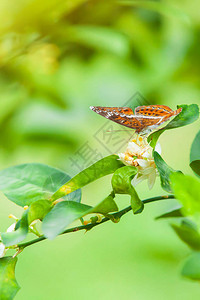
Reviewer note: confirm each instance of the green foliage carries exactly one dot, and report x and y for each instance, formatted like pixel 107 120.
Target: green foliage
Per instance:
pixel 101 38
pixel 65 212
pixel 36 211
pixel 187 191
pixel 191 268
pixel 56 59
pixel 188 233
pixel 15 237
pixel 8 284
pixel 195 155
pixel 103 167
pixel 175 213
pixel 188 115
pixel 159 7
pixel 27 183
pixel 62 215
pixel 121 183
pixel 165 172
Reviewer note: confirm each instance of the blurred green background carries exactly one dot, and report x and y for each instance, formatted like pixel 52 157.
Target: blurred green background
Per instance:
pixel 59 57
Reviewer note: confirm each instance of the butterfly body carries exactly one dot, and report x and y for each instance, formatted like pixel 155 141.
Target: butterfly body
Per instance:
pixel 144 119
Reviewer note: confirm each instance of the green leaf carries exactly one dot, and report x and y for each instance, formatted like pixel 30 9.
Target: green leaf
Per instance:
pixel 165 172
pixel 187 191
pixel 61 215
pixel 188 115
pixel 175 213
pixel 27 183
pixel 195 155
pixel 188 233
pixel 121 183
pixel 159 7
pixel 8 284
pixel 66 212
pixel 37 210
pixel 15 237
pixel 106 206
pixel 101 168
pixel 191 268
pixel 101 38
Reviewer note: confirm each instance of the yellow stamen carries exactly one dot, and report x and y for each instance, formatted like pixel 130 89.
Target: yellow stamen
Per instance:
pixel 11 216
pixel 25 207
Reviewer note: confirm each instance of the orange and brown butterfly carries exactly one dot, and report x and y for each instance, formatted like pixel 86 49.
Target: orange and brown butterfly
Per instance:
pixel 144 119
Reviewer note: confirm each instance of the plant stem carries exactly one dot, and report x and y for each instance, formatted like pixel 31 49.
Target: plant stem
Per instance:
pixel 115 216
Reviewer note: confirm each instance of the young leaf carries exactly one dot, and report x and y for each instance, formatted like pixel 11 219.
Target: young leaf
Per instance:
pixel 27 183
pixel 106 206
pixel 175 213
pixel 187 191
pixel 101 168
pixel 15 237
pixel 121 183
pixel 66 212
pixel 61 215
pixel 195 155
pixel 37 210
pixel 8 284
pixel 191 268
pixel 165 172
pixel 188 234
pixel 189 114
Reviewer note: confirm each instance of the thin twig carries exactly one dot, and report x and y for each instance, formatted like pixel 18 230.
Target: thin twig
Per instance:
pixel 115 216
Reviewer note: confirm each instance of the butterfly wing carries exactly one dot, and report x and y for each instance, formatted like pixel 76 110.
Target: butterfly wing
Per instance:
pixel 145 118
pixel 153 110
pixel 121 115
pixel 157 111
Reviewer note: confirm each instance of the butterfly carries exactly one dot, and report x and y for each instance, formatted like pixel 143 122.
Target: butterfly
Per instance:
pixel 144 119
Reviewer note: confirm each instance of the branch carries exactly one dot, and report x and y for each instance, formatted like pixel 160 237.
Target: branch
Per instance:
pixel 116 215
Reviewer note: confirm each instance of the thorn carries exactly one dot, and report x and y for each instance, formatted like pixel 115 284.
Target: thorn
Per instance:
pixel 18 252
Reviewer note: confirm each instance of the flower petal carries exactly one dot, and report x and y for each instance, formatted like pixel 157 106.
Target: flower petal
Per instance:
pixel 134 149
pixel 147 171
pixel 143 163
pixel 137 179
pixel 128 161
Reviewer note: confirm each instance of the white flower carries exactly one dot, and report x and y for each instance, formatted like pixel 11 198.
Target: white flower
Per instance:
pixel 139 154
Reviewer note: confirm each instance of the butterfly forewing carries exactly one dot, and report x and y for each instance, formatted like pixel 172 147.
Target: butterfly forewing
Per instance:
pixel 143 120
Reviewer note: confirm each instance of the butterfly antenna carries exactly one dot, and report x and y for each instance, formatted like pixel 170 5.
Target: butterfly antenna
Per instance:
pixel 118 130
